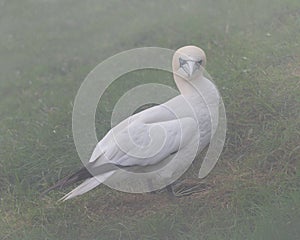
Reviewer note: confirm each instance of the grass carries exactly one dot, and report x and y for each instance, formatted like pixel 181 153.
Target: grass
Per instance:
pixel 48 47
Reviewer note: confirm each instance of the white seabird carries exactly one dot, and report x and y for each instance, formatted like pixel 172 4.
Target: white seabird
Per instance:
pixel 177 124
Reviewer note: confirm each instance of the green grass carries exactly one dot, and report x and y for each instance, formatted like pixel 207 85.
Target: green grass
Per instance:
pixel 253 51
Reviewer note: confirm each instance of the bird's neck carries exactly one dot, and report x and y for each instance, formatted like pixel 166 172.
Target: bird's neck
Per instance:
pixel 190 87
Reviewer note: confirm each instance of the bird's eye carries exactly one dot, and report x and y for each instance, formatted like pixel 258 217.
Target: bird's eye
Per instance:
pixel 199 62
pixel 182 62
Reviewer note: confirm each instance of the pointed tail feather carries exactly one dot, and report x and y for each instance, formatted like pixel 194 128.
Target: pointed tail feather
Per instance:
pixel 81 175
pixel 87 185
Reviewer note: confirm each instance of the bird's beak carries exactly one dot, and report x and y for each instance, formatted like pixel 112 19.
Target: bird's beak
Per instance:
pixel 189 68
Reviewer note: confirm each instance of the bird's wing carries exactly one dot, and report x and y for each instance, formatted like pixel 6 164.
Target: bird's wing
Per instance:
pixel 154 114
pixel 143 144
pixel 157 114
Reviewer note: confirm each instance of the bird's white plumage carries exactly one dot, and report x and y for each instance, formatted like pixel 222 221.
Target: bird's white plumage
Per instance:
pixel 149 137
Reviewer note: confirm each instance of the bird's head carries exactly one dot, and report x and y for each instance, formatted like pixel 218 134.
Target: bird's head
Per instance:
pixel 188 62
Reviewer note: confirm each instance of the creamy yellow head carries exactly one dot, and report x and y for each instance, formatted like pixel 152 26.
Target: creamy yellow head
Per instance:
pixel 189 62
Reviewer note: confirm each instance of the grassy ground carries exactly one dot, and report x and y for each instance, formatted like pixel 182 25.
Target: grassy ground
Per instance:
pixel 253 51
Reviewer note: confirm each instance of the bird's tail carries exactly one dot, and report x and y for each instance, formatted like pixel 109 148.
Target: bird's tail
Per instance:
pixel 87 185
pixel 80 175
